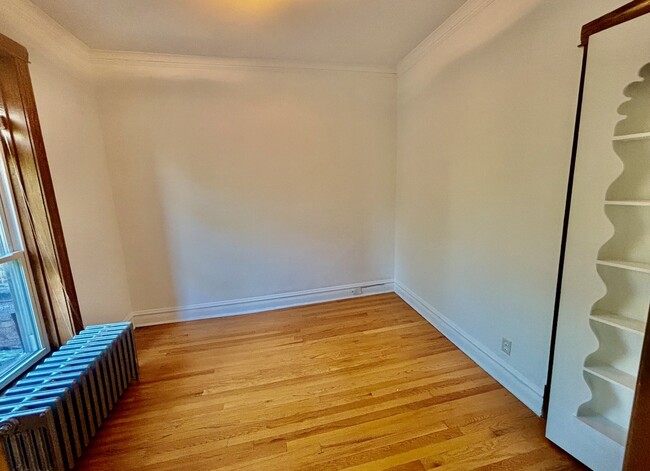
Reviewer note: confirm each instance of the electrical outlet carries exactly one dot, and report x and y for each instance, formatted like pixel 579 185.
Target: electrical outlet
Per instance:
pixel 506 346
pixel 357 291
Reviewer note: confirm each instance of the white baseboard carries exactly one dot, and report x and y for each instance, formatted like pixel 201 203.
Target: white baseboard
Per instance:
pixel 528 393
pixel 256 304
pixel 511 379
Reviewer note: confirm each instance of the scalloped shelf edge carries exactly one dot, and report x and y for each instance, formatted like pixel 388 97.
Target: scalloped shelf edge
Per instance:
pixel 632 137
pixel 626 265
pixel 627 203
pixel 612 375
pixel 620 322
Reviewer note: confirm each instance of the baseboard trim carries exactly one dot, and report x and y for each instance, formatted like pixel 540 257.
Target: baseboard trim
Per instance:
pixel 252 305
pixel 505 374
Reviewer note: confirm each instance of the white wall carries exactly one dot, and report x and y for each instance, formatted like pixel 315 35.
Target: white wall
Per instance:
pixel 237 182
pixel 73 139
pixel 484 142
pixel 241 182
pixel 67 108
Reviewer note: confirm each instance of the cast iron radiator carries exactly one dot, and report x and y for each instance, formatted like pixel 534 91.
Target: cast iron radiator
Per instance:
pixel 48 417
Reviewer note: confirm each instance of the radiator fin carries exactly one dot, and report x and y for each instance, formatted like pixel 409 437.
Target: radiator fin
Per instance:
pixel 49 416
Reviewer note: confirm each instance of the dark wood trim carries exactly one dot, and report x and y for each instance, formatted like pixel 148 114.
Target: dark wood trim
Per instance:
pixel 637 454
pixel 627 12
pixel 49 197
pixel 35 200
pixel 12 48
pixel 565 232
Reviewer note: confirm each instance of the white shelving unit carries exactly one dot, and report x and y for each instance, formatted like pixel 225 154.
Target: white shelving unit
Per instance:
pixel 615 363
pixel 613 375
pixel 620 322
pixel 605 279
pixel 606 427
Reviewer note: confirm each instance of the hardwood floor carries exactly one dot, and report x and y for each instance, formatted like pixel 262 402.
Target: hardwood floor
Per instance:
pixel 361 384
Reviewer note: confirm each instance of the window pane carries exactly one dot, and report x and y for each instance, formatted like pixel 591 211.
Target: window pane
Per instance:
pixel 19 333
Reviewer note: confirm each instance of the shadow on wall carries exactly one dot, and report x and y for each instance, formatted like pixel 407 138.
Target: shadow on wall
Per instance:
pixel 231 190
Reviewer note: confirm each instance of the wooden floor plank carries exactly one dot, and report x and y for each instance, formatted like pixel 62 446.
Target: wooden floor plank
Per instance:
pixel 364 383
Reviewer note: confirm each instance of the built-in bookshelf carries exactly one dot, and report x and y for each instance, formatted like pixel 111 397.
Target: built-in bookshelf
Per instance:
pixel 619 318
pixel 620 322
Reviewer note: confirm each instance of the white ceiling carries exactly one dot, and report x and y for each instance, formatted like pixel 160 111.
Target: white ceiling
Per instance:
pixel 351 32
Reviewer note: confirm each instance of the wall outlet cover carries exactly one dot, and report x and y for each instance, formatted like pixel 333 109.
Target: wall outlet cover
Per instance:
pixel 506 346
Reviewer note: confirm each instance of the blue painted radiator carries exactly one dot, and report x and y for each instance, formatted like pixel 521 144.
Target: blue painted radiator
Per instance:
pixel 49 416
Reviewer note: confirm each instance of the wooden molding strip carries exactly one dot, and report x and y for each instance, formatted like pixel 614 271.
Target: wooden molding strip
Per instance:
pixel 627 12
pixel 12 48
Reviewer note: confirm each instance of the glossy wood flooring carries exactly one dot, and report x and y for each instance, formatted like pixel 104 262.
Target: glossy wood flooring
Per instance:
pixel 362 384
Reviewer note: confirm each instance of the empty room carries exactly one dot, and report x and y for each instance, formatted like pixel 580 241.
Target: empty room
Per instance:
pixel 277 235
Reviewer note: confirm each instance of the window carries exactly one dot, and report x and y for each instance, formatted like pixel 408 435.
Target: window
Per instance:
pixel 39 308
pixel 22 334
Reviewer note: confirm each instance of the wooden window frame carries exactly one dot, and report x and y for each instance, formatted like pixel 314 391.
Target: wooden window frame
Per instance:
pixel 31 182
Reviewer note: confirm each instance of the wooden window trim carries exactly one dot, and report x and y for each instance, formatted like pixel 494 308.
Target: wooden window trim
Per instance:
pixel 31 181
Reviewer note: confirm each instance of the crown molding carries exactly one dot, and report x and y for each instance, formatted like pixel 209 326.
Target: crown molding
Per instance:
pixel 455 22
pixel 32 27
pixel 144 62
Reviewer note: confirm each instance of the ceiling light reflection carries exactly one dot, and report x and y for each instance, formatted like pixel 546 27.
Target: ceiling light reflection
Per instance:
pixel 246 9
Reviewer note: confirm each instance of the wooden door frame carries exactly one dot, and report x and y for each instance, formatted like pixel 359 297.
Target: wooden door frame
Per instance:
pixel 637 453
